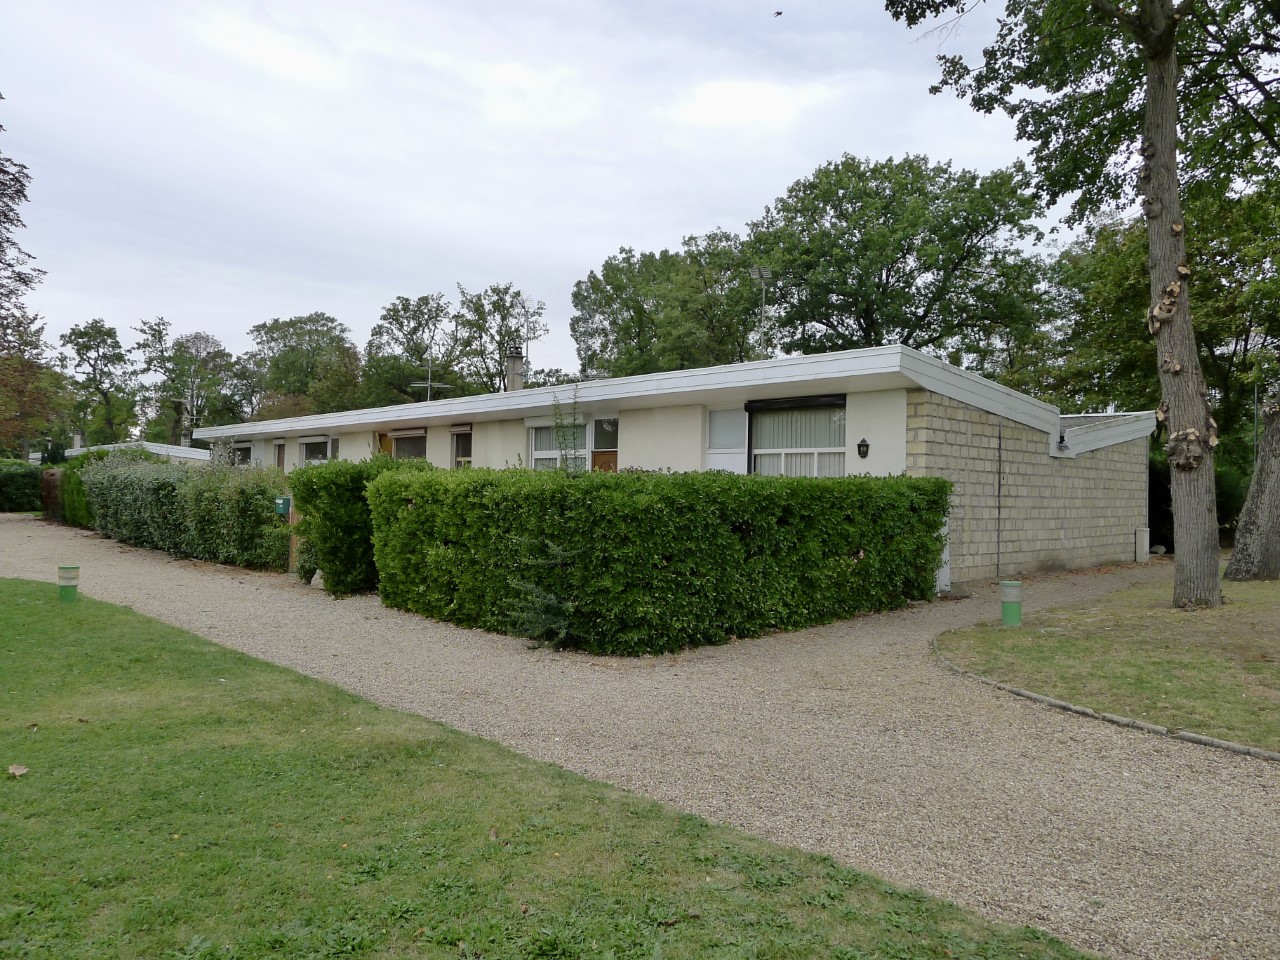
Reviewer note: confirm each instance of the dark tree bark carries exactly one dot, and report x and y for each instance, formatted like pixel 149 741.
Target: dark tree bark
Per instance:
pixel 1184 409
pixel 1257 551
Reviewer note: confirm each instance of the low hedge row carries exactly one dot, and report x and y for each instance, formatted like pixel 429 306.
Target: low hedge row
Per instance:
pixel 335 524
pixel 221 514
pixel 649 563
pixel 19 486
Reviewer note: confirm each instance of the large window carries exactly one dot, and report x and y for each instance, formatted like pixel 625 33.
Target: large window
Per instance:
pixel 313 449
pixel 805 442
pixel 548 444
pixel 409 444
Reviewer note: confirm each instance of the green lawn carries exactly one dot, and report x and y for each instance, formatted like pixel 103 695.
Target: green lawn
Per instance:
pixel 185 801
pixel 1214 672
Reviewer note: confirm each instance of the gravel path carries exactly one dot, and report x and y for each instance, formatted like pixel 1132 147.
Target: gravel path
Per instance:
pixel 846 739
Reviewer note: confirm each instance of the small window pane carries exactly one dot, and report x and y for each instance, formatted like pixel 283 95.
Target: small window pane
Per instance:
pixel 315 451
pixel 606 434
pixel 799 464
pixel 768 464
pixel 831 464
pixel 333 449
pixel 727 430
pixel 461 450
pixel 407 447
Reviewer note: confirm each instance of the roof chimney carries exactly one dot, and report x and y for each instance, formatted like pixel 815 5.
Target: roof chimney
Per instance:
pixel 515 369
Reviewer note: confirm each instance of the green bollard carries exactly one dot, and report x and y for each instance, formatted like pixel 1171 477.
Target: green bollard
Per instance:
pixel 68 583
pixel 1011 603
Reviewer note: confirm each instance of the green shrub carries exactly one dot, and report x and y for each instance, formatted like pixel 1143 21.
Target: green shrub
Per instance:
pixel 330 498
pixel 222 514
pixel 75 508
pixel 648 563
pixel 19 486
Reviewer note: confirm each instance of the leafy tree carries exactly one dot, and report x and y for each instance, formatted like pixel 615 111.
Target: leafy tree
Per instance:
pixel 108 378
pixel 490 324
pixel 27 383
pixel 295 355
pixel 1096 91
pixel 867 254
pixel 192 376
pixel 647 312
pixel 413 342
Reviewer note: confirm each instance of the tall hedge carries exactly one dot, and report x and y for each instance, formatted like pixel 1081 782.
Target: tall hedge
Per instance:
pixel 330 498
pixel 216 513
pixel 648 563
pixel 19 486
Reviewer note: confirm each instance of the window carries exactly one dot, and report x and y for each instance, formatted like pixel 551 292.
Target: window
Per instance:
pixel 333 449
pixel 805 442
pixel 242 454
pixel 547 444
pixel 408 446
pixel 726 430
pixel 461 450
pixel 314 449
pixel 605 434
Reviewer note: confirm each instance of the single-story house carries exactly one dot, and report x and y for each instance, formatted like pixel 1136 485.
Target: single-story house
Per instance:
pixel 1033 489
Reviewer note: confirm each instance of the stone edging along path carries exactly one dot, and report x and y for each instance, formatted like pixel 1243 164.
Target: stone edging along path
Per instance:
pixel 1120 721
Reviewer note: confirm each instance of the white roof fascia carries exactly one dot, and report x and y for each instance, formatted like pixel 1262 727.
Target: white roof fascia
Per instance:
pixel 815 373
pixel 1121 428
pixel 979 392
pixel 800 371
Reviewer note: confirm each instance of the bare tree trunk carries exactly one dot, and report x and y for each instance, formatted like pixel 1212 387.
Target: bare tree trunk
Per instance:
pixel 1257 551
pixel 1184 409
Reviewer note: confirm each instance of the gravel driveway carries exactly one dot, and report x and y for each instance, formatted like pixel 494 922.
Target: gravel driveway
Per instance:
pixel 845 739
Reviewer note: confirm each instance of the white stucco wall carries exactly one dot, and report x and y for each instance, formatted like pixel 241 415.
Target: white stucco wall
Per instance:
pixel 881 418
pixel 666 438
pixel 356 446
pixel 502 443
pixel 439 447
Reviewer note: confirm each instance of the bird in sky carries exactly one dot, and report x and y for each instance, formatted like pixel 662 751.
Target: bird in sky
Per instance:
pixel 777 13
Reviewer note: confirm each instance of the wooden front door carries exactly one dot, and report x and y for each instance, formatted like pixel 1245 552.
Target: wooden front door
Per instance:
pixel 606 461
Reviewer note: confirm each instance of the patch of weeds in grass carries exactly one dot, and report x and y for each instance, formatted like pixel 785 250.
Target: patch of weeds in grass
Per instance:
pixel 185 801
pixel 1215 672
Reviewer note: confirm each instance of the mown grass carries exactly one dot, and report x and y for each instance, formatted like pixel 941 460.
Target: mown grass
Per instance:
pixel 184 801
pixel 1214 672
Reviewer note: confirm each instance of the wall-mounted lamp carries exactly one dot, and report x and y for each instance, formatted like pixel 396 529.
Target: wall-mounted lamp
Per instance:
pixel 864 448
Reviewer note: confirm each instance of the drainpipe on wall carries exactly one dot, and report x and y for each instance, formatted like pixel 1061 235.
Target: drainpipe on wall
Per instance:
pixel 999 489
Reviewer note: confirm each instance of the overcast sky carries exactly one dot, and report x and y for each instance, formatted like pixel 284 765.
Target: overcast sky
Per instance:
pixel 223 163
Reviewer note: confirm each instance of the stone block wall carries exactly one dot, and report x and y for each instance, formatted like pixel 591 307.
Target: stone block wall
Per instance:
pixel 1016 509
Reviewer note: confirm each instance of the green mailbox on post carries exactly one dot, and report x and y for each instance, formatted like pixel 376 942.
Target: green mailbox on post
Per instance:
pixel 282 506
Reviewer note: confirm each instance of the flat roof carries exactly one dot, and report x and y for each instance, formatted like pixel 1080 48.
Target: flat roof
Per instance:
pixel 847 371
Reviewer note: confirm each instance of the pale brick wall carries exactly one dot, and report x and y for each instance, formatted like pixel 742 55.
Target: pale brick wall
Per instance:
pixel 1016 507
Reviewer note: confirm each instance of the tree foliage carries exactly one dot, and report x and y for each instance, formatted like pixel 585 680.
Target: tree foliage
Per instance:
pixel 1099 94
pixel 107 378
pixel 648 312
pixel 872 253
pixel 488 326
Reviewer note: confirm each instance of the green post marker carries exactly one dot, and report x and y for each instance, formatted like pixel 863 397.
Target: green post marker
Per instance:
pixel 68 583
pixel 1011 603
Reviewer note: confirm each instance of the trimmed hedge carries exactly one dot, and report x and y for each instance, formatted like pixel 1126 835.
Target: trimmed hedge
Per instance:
pixel 19 486
pixel 221 514
pixel 330 498
pixel 72 503
pixel 649 563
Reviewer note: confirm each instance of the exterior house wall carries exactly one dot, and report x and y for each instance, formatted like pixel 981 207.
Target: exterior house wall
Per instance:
pixel 1016 509
pixel 879 417
pixel 358 445
pixel 662 438
pixel 499 444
